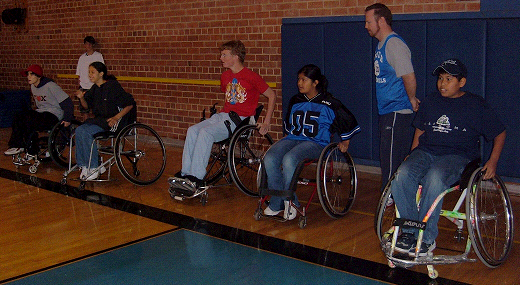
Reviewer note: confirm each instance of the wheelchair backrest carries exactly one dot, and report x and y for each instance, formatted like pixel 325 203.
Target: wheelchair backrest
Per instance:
pixel 468 171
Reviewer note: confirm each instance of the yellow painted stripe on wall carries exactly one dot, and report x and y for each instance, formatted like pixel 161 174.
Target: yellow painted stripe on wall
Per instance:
pixel 164 80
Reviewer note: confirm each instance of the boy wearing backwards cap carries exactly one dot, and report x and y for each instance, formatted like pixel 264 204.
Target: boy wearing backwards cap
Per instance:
pixel 52 105
pixel 447 130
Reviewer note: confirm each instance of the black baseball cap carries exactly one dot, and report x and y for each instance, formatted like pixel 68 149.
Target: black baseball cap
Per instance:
pixel 453 66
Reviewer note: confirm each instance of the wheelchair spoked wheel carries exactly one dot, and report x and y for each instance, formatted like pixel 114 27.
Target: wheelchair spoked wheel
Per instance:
pixel 336 181
pixel 385 214
pixel 490 219
pixel 59 143
pixel 246 149
pixel 140 154
pixel 217 163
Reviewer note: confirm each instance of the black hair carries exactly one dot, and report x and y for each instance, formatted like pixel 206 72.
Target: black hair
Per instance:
pixel 101 67
pixel 89 39
pixel 380 10
pixel 313 72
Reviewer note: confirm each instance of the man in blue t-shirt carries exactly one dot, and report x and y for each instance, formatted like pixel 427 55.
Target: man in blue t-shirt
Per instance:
pixel 395 90
pixel 448 127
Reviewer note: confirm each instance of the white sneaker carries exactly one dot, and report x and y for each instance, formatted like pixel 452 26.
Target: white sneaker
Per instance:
pixel 269 212
pixel 14 150
pixel 290 212
pixel 94 174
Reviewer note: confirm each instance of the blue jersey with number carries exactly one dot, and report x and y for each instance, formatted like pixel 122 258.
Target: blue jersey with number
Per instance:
pixel 318 118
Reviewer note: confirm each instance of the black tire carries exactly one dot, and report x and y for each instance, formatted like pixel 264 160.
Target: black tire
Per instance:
pixel 217 163
pixel 246 149
pixel 140 154
pixel 489 219
pixel 336 181
pixel 60 145
pixel 385 214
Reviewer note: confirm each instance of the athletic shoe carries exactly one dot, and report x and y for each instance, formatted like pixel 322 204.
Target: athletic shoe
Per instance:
pixel 290 211
pixel 405 242
pixel 14 150
pixel 84 172
pixel 198 183
pixel 179 175
pixel 94 174
pixel 269 212
pixel 426 249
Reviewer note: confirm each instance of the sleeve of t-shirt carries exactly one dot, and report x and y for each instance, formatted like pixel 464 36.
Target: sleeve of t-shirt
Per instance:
pixel 260 83
pixel 492 126
pixel 399 56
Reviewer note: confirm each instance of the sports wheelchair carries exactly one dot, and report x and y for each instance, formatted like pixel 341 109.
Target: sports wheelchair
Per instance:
pixel 136 148
pixel 235 159
pixel 52 145
pixel 335 184
pixel 488 215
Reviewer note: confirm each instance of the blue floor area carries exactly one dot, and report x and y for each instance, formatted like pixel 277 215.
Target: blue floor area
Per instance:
pixel 187 257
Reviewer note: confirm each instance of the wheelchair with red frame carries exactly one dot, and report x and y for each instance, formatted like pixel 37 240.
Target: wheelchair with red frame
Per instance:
pixel 335 184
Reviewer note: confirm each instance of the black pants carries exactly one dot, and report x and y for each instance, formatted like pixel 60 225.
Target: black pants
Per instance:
pixel 396 140
pixel 25 126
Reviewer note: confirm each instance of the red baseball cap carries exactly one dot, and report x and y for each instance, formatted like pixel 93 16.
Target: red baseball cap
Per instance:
pixel 36 69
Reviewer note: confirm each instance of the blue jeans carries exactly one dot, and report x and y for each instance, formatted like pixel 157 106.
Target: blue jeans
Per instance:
pixel 435 174
pixel 84 138
pixel 199 141
pixel 280 162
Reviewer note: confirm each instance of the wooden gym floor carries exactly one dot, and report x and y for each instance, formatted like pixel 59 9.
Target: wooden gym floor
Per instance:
pixel 45 225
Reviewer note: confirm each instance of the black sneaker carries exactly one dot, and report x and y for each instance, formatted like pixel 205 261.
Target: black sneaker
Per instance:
pixel 198 183
pixel 426 248
pixel 179 175
pixel 405 242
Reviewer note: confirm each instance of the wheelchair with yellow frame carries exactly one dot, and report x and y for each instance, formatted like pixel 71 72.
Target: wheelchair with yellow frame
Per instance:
pixel 487 215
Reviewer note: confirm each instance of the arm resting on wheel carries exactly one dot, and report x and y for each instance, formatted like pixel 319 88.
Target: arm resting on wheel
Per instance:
pixel 491 165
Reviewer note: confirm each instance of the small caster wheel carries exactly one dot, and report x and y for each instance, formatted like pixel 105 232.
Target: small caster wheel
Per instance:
pixel 33 169
pixel 391 264
pixel 204 199
pixel 63 181
pixel 81 186
pixel 432 273
pixel 302 222
pixel 258 214
pixel 136 173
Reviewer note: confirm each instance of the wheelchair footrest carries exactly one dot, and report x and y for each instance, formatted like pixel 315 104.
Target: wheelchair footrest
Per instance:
pixel 407 261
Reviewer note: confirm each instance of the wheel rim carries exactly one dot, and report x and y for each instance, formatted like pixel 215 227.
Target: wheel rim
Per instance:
pixel 337 181
pixel 140 154
pixel 247 148
pixel 490 222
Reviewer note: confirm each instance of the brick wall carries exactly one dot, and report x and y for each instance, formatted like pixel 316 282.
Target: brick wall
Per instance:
pixel 168 39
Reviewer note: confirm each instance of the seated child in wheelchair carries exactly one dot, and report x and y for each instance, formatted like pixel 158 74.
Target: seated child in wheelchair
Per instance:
pixel 448 126
pixel 242 88
pixel 52 105
pixel 313 116
pixel 109 103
